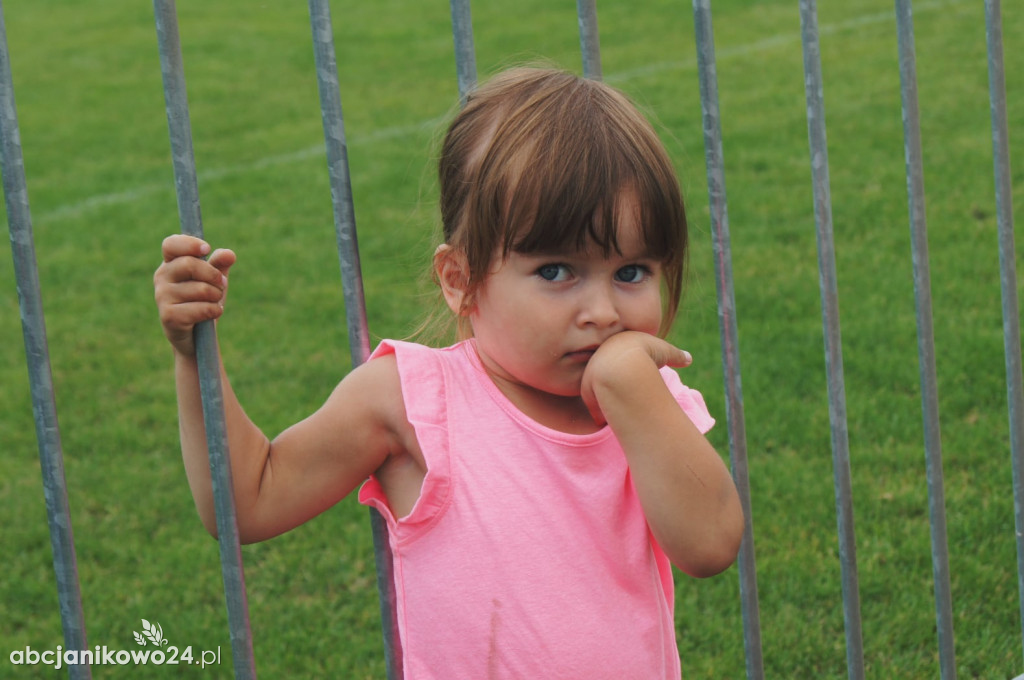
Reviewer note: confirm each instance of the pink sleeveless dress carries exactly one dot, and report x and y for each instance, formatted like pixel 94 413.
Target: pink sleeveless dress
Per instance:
pixel 527 555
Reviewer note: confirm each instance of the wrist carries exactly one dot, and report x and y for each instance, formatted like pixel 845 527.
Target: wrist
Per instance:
pixel 184 355
pixel 622 373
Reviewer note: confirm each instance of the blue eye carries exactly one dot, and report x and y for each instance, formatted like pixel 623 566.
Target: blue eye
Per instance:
pixel 632 273
pixel 553 272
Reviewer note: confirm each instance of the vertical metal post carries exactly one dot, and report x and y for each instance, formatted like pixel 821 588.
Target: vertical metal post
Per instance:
pixel 352 286
pixel 187 188
pixel 341 183
pixel 727 326
pixel 44 406
pixel 590 41
pixel 833 344
pixel 465 53
pixel 925 340
pixel 1007 272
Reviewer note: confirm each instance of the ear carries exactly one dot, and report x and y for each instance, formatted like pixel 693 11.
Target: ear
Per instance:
pixel 451 269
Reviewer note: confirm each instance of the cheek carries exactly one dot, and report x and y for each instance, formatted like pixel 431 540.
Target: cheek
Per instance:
pixel 645 313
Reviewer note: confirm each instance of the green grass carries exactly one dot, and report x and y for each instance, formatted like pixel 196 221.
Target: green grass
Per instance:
pixel 94 134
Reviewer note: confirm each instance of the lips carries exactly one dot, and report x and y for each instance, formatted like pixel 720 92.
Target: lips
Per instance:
pixel 583 354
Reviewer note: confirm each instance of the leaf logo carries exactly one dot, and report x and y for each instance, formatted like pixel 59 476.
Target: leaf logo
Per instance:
pixel 153 632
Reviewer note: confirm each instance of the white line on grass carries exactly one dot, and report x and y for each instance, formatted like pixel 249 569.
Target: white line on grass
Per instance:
pixel 73 210
pixel 775 41
pixel 79 208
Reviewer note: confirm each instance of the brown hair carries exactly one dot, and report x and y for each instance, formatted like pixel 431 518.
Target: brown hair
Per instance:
pixel 539 160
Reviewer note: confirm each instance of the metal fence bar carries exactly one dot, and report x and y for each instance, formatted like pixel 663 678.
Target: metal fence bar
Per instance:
pixel 44 405
pixel 833 343
pixel 925 339
pixel 715 159
pixel 341 183
pixel 187 190
pixel 352 286
pixel 590 40
pixel 1007 272
pixel 465 53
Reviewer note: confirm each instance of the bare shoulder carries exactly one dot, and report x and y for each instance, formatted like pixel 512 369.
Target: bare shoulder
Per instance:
pixel 359 425
pixel 372 392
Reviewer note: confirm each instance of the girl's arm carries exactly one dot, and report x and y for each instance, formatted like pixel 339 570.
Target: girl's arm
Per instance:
pixel 686 491
pixel 282 483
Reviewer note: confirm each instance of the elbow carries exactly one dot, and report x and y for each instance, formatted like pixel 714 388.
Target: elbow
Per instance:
pixel 711 562
pixel 245 536
pixel 208 516
pixel 718 551
pixel 209 520
pixel 246 531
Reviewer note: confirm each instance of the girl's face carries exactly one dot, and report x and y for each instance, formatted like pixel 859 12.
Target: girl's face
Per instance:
pixel 538 318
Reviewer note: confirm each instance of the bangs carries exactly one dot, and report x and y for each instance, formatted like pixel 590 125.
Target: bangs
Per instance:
pixel 571 189
pixel 587 217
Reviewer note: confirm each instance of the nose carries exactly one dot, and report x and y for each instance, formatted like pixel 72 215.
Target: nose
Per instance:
pixel 598 307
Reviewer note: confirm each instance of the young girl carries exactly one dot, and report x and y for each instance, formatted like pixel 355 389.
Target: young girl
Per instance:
pixel 539 476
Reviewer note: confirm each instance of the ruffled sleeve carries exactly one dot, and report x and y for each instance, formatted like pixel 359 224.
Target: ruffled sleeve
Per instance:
pixel 423 391
pixel 690 400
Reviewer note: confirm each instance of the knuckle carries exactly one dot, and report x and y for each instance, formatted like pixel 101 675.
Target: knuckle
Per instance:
pixel 172 246
pixel 166 317
pixel 213 294
pixel 211 311
pixel 177 245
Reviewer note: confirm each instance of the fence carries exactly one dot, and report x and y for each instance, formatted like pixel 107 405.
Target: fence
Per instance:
pixel 44 407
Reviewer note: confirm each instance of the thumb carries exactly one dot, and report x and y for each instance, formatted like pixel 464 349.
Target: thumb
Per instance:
pixel 222 259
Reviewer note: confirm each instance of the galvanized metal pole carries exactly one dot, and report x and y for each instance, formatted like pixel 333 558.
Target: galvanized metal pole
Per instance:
pixel 187 187
pixel 926 340
pixel 590 41
pixel 352 286
pixel 44 405
pixel 715 160
pixel 465 53
pixel 341 183
pixel 1007 272
pixel 833 343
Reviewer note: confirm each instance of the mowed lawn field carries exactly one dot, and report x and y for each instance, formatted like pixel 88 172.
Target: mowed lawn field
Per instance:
pixel 101 190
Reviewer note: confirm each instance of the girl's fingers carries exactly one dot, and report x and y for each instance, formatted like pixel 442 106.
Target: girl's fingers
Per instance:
pixel 189 289
pixel 678 358
pixel 180 245
pixel 186 268
pixel 178 322
pixel 183 260
pixel 222 259
pixel 194 291
pixel 180 312
pixel 664 353
pixel 183 316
